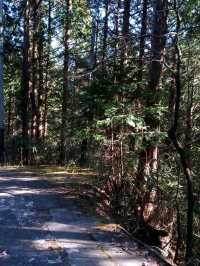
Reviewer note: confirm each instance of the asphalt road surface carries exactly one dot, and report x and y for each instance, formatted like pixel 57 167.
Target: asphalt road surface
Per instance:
pixel 40 226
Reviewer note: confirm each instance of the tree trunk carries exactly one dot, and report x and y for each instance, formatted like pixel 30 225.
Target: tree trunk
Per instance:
pixel 105 32
pixel 83 153
pixel 142 41
pixel 92 43
pixel 125 32
pixel 41 81
pixel 65 94
pixel 34 68
pixel 25 85
pixel 97 36
pixel 2 111
pixel 148 159
pixel 9 123
pixel 116 44
pixel 184 153
pixel 44 120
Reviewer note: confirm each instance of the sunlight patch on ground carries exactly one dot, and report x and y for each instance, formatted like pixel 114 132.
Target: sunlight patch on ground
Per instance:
pixel 45 244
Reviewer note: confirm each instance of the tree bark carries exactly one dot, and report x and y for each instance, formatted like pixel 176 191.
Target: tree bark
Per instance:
pixel 183 152
pixel 117 17
pixel 34 56
pixel 25 85
pixel 105 32
pixel 10 103
pixel 44 120
pixel 2 111
pixel 97 34
pixel 142 40
pixel 148 158
pixel 93 39
pixel 65 94
pixel 125 31
pixel 41 79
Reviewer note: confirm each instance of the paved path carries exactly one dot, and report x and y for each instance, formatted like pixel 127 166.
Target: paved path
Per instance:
pixel 40 226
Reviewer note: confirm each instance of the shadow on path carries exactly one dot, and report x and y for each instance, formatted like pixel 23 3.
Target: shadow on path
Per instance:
pixel 40 224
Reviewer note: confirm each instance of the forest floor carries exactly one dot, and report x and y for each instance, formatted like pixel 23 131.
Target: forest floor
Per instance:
pixel 44 222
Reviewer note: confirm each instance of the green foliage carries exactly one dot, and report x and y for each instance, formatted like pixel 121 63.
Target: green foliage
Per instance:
pixel 113 119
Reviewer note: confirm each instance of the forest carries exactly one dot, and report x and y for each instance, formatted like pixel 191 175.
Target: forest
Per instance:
pixel 113 86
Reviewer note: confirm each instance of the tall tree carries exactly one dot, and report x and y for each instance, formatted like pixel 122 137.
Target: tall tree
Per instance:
pixel 142 40
pixel 40 75
pixel 65 94
pixel 2 112
pixel 25 81
pixel 125 31
pixel 184 152
pixel 105 31
pixel 148 160
pixel 47 68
